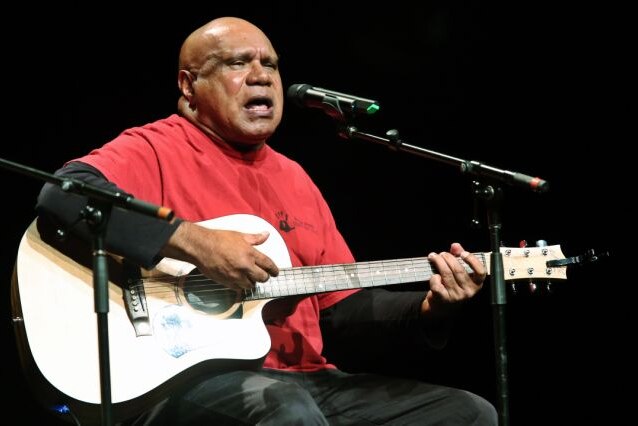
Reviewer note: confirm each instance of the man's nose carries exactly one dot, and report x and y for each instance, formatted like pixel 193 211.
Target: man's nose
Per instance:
pixel 259 74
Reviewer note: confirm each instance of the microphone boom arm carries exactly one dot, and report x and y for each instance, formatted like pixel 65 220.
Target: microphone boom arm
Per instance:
pixel 465 166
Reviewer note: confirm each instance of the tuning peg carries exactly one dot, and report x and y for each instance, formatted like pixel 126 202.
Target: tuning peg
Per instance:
pixel 541 243
pixel 522 244
pixel 514 289
pixel 532 287
pixel 549 287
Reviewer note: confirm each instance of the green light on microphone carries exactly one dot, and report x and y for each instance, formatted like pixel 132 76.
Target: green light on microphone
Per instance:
pixel 372 109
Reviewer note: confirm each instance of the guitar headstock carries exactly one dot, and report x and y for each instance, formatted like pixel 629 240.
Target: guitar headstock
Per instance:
pixel 543 262
pixel 532 263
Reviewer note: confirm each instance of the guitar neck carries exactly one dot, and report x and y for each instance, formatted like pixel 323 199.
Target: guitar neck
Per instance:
pixel 307 280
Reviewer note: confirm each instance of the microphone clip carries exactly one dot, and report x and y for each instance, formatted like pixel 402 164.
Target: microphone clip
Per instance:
pixel 333 109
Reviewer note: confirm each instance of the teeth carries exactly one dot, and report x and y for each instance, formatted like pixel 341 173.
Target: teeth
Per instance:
pixel 261 107
pixel 259 101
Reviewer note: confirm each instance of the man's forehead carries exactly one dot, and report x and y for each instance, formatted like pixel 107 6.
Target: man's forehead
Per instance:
pixel 247 51
pixel 243 44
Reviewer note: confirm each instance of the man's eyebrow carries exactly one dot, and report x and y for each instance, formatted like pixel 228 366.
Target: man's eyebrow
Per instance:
pixel 213 56
pixel 217 58
pixel 242 54
pixel 274 57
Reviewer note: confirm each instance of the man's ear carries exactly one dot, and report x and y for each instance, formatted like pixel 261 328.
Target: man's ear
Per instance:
pixel 185 80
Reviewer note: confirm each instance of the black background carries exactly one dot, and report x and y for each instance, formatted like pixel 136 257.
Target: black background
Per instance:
pixel 534 87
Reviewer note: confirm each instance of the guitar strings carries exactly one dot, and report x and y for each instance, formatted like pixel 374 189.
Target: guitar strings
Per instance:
pixel 309 279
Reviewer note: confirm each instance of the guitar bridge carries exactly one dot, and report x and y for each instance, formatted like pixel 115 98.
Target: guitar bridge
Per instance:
pixel 135 302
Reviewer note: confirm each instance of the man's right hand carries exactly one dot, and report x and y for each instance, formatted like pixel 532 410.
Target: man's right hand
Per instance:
pixel 226 257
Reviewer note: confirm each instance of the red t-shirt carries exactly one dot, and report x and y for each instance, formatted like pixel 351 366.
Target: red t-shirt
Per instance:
pixel 172 163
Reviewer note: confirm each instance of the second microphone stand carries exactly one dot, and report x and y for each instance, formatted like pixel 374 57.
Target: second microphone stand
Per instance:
pixel 486 189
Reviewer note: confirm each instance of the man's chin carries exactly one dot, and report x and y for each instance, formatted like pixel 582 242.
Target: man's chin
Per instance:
pixel 251 141
pixel 258 134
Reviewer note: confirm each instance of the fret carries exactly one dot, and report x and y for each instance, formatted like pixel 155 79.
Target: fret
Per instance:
pixel 385 275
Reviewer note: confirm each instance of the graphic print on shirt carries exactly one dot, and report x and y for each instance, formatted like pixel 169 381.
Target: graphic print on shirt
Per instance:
pixel 283 221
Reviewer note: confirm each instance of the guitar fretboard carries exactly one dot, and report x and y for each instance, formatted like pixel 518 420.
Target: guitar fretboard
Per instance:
pixel 319 279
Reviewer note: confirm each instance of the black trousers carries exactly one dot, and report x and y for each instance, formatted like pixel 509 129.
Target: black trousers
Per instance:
pixel 330 397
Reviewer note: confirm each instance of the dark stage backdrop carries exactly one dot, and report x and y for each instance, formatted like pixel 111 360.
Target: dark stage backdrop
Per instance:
pixel 534 88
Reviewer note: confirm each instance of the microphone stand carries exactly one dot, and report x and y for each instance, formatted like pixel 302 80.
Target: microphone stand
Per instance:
pixel 486 188
pixel 96 214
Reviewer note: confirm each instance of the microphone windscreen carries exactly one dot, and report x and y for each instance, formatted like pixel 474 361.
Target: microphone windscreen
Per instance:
pixel 296 93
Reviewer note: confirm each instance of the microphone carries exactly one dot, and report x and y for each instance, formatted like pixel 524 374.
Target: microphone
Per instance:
pixel 536 184
pixel 305 95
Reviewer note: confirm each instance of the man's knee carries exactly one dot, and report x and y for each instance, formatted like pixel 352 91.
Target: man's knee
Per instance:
pixel 290 404
pixel 477 410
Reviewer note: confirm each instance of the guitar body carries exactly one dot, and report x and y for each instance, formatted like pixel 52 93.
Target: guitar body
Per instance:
pixel 169 325
pixel 58 339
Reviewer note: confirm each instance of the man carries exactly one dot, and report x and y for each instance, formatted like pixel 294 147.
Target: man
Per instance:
pixel 212 160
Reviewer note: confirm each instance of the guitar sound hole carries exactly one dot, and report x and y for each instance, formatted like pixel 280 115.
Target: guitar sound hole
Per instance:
pixel 211 299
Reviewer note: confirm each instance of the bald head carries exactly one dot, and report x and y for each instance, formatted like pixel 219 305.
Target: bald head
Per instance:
pixel 198 45
pixel 229 77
